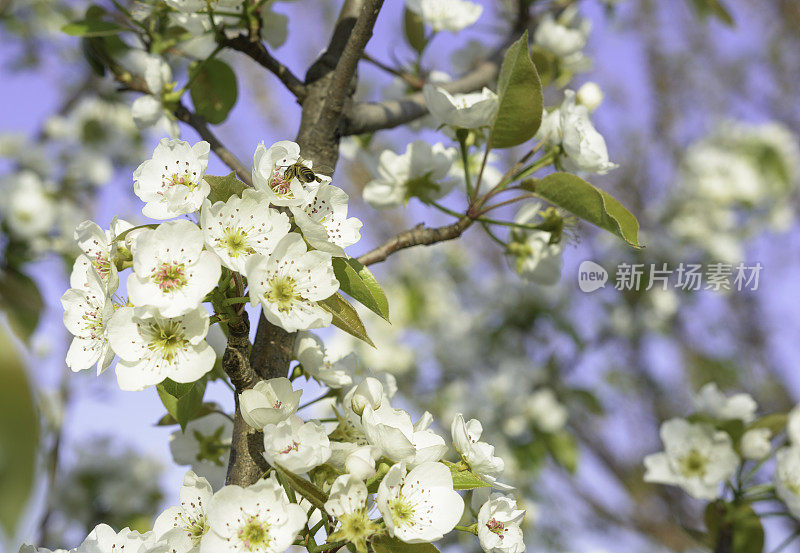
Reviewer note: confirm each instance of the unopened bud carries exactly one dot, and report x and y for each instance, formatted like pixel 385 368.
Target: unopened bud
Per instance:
pixel 369 392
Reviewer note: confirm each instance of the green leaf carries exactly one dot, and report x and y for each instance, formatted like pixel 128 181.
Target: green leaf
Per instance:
pixel 564 449
pixel 92 28
pixel 713 8
pixel 466 479
pixel 736 527
pixel 21 301
pixel 587 399
pixel 519 93
pixel 307 489
pixel 213 89
pixel 385 544
pixel 205 409
pixel 776 422
pixel 19 436
pixel 545 63
pixel 223 188
pixel 414 31
pixel 345 317
pixel 591 204
pixel 358 282
pixel 182 401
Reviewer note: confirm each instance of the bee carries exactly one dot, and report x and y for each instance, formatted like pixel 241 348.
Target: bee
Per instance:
pixel 301 172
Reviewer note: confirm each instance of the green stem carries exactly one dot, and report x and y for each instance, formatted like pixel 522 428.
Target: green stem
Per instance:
pixel 474 194
pixel 461 135
pixel 313 401
pixel 471 529
pixel 785 543
pixel 492 235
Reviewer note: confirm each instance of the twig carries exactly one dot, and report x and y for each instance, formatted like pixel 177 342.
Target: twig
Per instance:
pixel 259 53
pixel 417 236
pixel 228 158
pixel 411 80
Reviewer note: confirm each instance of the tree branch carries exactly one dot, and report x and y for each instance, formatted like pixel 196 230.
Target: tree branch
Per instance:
pixel 259 53
pixel 228 158
pixel 417 236
pixel 341 83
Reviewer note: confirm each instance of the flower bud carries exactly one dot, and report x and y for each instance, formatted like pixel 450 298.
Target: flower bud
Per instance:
pixel 369 392
pixel 756 443
pixel 590 95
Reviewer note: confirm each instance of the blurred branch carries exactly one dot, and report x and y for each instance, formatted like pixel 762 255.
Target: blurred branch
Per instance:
pixel 259 53
pixel 235 360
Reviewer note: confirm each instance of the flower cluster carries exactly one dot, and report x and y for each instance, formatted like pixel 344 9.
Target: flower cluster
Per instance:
pixel 364 474
pixel 206 252
pixel 734 183
pixel 724 442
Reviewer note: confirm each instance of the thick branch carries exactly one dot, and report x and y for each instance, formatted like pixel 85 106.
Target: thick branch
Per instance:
pixel 417 236
pixel 235 360
pixel 228 158
pixel 259 53
pixel 346 67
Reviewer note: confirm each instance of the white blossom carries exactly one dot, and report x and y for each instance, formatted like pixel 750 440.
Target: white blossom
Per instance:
pixel 585 148
pixel 324 221
pixel 756 443
pixel 183 526
pixel 533 253
pixel 422 172
pixel 544 409
pixel 289 282
pixel 696 457
pixel 241 227
pixel 787 478
pixel 368 392
pixel 392 432
pixel 446 15
pixel 793 425
pixel 309 350
pixel 295 445
pixel 205 446
pixel 257 519
pixel 590 95
pixel 148 110
pixel 99 249
pixel 499 525
pixel 103 539
pixel 711 401
pixel 348 495
pixel 87 311
pixel 29 209
pixel 360 462
pixel 269 402
pixel 564 36
pixel 171 183
pixel 171 271
pixel 420 506
pixel 478 455
pixel 152 347
pixel 269 174
pixel 468 111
